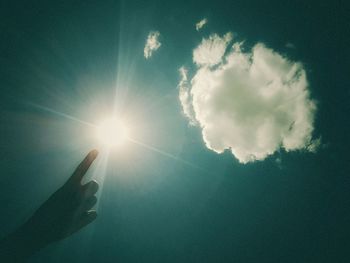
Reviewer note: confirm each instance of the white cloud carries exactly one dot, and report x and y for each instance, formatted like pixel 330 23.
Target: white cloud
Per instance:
pixel 185 96
pixel 211 51
pixel 152 44
pixel 201 24
pixel 252 103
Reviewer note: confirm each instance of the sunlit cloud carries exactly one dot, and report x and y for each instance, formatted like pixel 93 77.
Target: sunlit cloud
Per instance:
pixel 210 51
pixel 252 103
pixel 185 96
pixel 152 44
pixel 201 24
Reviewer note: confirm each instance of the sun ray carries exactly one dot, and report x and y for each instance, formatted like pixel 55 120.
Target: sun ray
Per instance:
pixel 165 153
pixel 61 114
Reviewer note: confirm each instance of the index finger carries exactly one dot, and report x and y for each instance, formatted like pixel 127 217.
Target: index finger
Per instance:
pixel 83 167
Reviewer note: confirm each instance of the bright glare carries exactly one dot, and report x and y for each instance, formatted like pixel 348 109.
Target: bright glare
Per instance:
pixel 112 133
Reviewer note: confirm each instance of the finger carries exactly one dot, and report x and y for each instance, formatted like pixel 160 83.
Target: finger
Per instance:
pixel 86 218
pixel 83 220
pixel 85 205
pixel 89 189
pixel 89 203
pixel 83 167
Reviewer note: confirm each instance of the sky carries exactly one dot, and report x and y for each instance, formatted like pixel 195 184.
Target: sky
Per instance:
pixel 238 111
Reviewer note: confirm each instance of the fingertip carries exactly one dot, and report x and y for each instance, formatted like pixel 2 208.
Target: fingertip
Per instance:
pixel 92 215
pixel 95 186
pixel 90 188
pixel 87 218
pixel 93 200
pixel 93 154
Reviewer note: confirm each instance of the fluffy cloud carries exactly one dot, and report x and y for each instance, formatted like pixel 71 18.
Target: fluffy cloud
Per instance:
pixel 201 24
pixel 211 50
pixel 252 103
pixel 152 44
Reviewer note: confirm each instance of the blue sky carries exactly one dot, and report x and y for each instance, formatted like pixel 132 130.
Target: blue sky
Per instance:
pixel 176 200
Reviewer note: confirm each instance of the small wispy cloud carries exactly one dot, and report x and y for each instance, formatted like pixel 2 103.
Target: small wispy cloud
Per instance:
pixel 201 24
pixel 290 45
pixel 152 44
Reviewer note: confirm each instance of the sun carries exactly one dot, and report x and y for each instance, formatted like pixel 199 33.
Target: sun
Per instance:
pixel 112 133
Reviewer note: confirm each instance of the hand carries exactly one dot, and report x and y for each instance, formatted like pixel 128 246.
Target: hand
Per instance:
pixel 64 213
pixel 67 210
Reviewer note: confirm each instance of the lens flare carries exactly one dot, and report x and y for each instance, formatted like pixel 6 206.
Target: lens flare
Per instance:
pixel 112 133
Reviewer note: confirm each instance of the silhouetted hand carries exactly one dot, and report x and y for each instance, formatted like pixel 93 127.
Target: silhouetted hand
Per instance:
pixel 64 213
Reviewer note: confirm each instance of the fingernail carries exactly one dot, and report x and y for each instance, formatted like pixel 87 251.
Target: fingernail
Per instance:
pixel 93 154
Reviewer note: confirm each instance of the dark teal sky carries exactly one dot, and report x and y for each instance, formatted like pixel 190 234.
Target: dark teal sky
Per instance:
pixel 72 56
